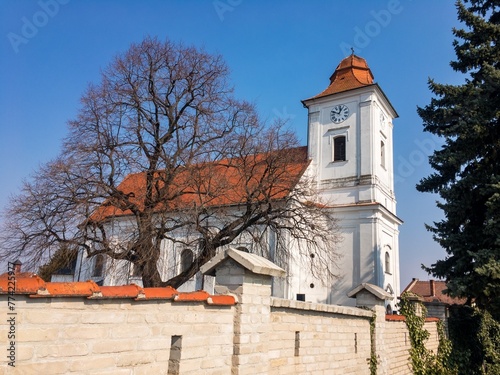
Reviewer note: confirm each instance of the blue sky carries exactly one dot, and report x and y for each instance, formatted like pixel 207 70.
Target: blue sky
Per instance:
pixel 279 53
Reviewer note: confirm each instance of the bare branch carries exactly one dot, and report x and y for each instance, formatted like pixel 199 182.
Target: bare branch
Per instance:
pixel 161 152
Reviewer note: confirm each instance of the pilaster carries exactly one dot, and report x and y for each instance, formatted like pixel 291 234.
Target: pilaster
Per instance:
pixel 249 278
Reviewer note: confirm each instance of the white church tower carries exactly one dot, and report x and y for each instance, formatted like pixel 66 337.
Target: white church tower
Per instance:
pixel 350 144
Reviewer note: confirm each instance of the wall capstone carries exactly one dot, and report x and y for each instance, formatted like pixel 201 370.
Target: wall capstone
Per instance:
pixel 369 295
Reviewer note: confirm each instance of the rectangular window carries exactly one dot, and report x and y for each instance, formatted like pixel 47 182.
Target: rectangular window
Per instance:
pixel 98 270
pixel 339 148
pixel 382 154
pixel 135 270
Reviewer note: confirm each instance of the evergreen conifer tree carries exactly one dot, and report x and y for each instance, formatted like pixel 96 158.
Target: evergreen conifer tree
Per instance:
pixel 467 167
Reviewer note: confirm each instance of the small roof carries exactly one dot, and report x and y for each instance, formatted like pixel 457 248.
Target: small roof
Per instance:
pixel 352 72
pixel 373 289
pixel 251 262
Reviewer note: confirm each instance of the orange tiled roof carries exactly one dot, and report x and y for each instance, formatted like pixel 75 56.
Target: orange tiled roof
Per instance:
pixel 352 72
pixel 25 282
pixel 214 184
pixel 33 286
pixel 401 318
pixel 432 291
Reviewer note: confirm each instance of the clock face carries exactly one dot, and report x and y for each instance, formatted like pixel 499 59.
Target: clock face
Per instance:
pixel 382 119
pixel 339 113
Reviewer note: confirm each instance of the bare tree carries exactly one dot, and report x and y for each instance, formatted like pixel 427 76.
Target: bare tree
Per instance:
pixel 162 149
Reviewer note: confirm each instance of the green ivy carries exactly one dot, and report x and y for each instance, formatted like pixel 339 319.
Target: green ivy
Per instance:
pixel 479 354
pixel 373 360
pixel 423 360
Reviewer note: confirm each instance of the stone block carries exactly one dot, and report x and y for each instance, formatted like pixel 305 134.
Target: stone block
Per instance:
pixel 82 332
pixel 103 318
pixel 114 371
pixel 95 363
pixel 23 353
pixel 128 331
pixel 154 344
pixel 134 359
pixel 45 368
pixel 62 350
pixel 33 333
pixel 44 317
pixel 113 346
pixel 212 362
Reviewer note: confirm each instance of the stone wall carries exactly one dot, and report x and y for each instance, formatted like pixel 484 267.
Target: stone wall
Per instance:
pixel 81 328
pixel 311 338
pixel 396 343
pixel 72 335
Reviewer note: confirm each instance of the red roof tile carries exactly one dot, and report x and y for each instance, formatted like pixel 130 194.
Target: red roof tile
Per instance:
pixel 214 184
pixel 199 295
pixel 352 72
pixel 159 293
pixel 35 287
pixel 68 289
pixel 395 318
pixel 122 291
pixel 402 318
pixel 23 283
pixel 221 300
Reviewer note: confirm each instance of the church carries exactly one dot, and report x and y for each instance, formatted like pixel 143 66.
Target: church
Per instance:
pixel 350 154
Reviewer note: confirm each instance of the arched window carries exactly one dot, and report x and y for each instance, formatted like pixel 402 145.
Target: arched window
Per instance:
pixel 388 309
pixel 339 148
pixel 98 270
pixel 387 262
pixel 186 259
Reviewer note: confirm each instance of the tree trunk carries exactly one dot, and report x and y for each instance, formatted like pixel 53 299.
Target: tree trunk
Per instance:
pixel 151 276
pixel 149 251
pixel 207 252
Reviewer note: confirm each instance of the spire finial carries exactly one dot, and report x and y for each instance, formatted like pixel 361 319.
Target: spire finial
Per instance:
pixel 352 50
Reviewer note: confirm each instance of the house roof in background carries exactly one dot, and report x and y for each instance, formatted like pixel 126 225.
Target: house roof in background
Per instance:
pixel 432 291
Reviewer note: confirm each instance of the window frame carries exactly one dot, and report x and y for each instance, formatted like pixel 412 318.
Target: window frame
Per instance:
pixel 387 262
pixel 99 266
pixel 382 154
pixel 183 260
pixel 339 152
pixel 135 270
